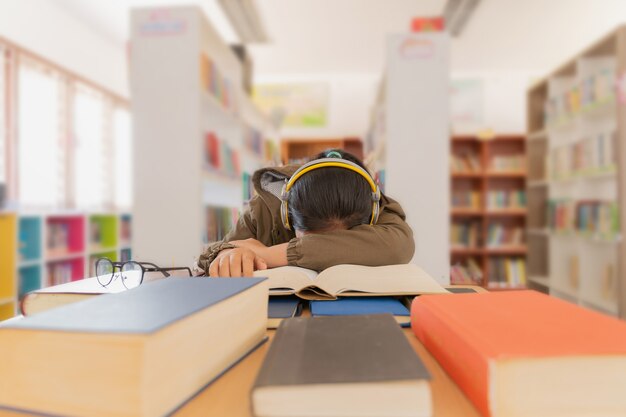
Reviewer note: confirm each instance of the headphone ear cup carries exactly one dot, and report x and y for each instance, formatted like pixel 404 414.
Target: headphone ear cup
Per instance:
pixel 375 205
pixel 284 214
pixel 375 212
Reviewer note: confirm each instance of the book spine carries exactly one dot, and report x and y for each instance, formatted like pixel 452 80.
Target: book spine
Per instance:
pixel 451 346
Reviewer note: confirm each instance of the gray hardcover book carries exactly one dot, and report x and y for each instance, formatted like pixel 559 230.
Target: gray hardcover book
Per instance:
pixel 332 365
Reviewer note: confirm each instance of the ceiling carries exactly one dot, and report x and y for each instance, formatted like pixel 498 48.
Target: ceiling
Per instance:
pixel 347 36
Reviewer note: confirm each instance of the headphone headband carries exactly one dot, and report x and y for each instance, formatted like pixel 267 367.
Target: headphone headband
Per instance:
pixel 323 163
pixel 330 162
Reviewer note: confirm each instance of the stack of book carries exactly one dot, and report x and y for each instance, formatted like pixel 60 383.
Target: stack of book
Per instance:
pixel 526 354
pixel 125 353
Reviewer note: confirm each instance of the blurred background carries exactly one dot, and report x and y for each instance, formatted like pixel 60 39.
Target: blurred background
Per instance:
pixel 131 129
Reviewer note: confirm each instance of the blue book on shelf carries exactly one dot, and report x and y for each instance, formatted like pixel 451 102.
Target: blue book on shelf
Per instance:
pixel 281 308
pixel 351 306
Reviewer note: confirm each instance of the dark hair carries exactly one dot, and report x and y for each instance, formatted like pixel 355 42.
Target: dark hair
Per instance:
pixel 328 198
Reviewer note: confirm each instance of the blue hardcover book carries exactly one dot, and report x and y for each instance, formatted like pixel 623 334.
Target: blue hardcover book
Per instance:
pixel 363 305
pixel 281 308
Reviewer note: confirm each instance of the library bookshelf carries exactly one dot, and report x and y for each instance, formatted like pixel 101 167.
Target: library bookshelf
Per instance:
pixel 488 211
pixel 38 250
pixel 577 182
pixel 198 139
pixel 407 142
pixel 298 151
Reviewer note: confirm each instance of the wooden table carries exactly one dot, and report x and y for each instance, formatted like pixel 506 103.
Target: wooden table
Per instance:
pixel 230 394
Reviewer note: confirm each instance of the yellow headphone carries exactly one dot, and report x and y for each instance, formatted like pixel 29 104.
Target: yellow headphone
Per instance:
pixel 323 163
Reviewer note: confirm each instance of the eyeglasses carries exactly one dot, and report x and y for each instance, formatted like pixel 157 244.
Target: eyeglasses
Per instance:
pixel 130 272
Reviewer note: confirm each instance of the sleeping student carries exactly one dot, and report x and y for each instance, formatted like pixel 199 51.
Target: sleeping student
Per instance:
pixel 326 212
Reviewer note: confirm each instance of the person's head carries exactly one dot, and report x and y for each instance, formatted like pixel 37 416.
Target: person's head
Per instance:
pixel 330 198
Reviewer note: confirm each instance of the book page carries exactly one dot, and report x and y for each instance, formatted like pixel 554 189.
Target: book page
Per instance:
pixel 405 279
pixel 287 279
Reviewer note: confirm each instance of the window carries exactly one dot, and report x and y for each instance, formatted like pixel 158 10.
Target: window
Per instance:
pixel 40 148
pixel 123 157
pixel 67 143
pixel 90 162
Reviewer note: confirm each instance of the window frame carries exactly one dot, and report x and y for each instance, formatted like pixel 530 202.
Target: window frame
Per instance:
pixel 71 82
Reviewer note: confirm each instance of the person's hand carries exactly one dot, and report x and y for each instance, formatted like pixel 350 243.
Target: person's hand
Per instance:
pixel 236 262
pixel 274 256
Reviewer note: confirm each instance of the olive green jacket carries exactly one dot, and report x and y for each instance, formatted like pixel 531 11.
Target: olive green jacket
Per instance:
pixel 389 241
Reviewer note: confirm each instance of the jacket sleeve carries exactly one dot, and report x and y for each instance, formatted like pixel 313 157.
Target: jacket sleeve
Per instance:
pixel 245 228
pixel 389 241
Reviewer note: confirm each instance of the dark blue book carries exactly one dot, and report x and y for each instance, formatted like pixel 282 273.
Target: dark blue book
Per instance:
pixel 352 306
pixel 149 348
pixel 281 308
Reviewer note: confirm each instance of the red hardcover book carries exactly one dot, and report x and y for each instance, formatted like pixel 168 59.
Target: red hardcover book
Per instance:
pixel 523 353
pixel 212 146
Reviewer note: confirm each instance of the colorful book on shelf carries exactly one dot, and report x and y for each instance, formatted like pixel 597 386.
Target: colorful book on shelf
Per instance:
pixel 466 199
pixel 470 274
pixel 281 308
pixel 499 235
pixel 465 163
pixel 464 234
pixel 341 366
pixel 508 163
pixel 350 280
pixel 526 354
pixel 125 353
pixel 507 272
pixel 352 306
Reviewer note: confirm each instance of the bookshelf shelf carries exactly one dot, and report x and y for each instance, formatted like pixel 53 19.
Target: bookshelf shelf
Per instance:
pixel 506 212
pixel 540 280
pixel 31 262
pixel 492 287
pixel 577 138
pixel 488 207
pixel 210 143
pixel 467 175
pixel 467 251
pixel 463 212
pixel 296 151
pixel 496 174
pixel 43 249
pixel 510 250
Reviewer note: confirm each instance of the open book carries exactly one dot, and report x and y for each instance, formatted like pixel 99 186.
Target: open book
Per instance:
pixel 350 280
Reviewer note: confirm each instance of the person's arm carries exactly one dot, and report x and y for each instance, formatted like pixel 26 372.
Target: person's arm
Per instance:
pixel 245 228
pixel 389 241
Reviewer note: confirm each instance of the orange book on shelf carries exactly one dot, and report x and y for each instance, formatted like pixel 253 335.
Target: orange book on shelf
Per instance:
pixel 523 353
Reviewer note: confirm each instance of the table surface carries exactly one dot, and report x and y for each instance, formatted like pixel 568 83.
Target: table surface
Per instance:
pixel 230 394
